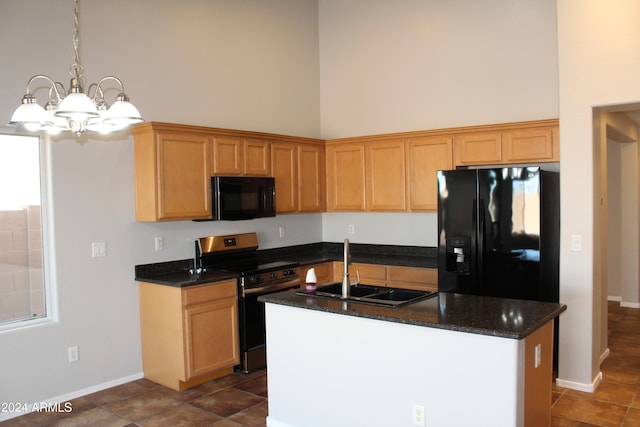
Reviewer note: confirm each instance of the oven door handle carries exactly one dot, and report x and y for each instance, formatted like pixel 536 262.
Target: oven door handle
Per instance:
pixel 271 288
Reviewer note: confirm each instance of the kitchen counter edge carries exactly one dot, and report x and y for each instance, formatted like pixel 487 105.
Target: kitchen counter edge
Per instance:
pixel 499 317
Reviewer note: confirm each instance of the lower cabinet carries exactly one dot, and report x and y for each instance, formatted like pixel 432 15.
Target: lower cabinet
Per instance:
pixel 418 278
pixel 189 335
pixel 324 272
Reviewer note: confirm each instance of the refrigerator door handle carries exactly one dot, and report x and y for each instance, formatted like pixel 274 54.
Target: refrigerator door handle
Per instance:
pixel 480 248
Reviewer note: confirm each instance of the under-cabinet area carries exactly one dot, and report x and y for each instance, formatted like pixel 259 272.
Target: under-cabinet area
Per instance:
pixel 174 163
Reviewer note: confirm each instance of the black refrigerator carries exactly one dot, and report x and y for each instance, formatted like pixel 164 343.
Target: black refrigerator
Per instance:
pixel 499 232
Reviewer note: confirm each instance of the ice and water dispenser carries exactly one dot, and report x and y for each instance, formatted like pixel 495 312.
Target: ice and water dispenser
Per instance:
pixel 458 255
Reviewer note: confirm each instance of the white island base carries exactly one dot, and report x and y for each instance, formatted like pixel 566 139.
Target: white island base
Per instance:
pixel 327 369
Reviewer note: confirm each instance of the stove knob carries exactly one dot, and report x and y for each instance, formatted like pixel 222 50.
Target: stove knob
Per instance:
pixel 285 272
pixel 273 275
pixel 259 279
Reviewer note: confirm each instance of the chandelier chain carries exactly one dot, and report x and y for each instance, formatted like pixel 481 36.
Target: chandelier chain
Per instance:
pixel 76 68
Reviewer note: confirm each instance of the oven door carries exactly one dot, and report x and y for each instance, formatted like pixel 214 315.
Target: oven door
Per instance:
pixel 252 324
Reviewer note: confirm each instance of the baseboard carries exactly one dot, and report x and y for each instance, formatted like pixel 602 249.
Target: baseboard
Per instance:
pixel 614 298
pixel 604 355
pixel 50 404
pixel 589 388
pixel 629 304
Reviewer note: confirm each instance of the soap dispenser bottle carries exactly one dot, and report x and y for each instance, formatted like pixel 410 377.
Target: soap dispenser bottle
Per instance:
pixel 311 280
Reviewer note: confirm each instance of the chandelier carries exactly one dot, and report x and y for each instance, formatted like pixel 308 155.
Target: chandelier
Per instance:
pixel 75 110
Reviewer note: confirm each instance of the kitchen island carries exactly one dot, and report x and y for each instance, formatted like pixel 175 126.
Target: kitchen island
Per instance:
pixel 450 360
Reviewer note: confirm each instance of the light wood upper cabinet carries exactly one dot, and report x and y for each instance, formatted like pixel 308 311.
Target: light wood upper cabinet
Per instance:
pixel 299 173
pixel 172 175
pixel 189 335
pixel 509 144
pixel 479 148
pixel 285 172
pixel 240 156
pixel 425 157
pixel 385 183
pixel 346 177
pixel 311 178
pixel 529 145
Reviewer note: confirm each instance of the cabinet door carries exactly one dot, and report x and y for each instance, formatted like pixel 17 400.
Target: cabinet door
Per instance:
pixel 324 272
pixel 386 179
pixel 527 145
pixel 211 337
pixel 284 168
pixel 256 158
pixel 345 177
pixel 422 279
pixel 478 148
pixel 425 157
pixel 227 156
pixel 369 274
pixel 184 181
pixel 311 181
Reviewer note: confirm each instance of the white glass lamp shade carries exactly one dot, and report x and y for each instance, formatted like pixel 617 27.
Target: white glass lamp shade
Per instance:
pixel 30 115
pixel 122 114
pixel 55 124
pixel 98 124
pixel 78 107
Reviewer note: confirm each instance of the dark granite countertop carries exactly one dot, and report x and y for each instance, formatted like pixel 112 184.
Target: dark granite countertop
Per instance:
pixel 184 278
pixel 176 273
pixel 500 317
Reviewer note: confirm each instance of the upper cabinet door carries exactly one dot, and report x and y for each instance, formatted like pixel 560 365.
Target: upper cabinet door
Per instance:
pixel 425 157
pixel 479 148
pixel 184 180
pixel 345 177
pixel 385 171
pixel 311 180
pixel 172 175
pixel 283 165
pixel 256 157
pixel 528 145
pixel 227 155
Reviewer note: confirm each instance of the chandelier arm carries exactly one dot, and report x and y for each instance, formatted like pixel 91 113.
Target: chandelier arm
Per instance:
pixel 110 78
pixel 54 86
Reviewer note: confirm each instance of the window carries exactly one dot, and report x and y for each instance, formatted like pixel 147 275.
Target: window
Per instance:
pixel 22 284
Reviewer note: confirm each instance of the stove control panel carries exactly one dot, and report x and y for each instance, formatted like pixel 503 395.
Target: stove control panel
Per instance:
pixel 267 278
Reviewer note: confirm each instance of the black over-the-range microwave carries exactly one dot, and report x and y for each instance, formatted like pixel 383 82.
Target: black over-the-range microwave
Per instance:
pixel 241 197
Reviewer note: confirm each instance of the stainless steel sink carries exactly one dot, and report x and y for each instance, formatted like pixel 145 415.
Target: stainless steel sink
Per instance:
pixel 368 294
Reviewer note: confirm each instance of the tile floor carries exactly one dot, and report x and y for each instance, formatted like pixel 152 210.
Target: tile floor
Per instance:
pixel 241 400
pixel 616 402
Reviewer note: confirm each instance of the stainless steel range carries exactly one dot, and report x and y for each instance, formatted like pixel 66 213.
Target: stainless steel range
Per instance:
pixel 239 253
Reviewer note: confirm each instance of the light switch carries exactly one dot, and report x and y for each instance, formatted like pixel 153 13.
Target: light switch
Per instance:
pixel 98 249
pixel 576 242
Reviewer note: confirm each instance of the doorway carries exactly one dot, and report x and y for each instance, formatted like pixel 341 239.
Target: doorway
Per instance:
pixel 616 211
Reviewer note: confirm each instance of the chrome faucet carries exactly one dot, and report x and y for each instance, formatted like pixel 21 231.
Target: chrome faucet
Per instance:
pixel 346 285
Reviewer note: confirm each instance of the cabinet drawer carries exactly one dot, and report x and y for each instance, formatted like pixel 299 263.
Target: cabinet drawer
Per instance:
pixel 209 291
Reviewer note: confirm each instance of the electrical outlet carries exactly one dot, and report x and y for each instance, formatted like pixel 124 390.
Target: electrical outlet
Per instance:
pixel 538 355
pixel 159 243
pixel 73 354
pixel 351 229
pixel 418 415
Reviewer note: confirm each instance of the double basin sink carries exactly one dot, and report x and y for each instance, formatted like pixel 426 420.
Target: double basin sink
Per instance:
pixel 379 295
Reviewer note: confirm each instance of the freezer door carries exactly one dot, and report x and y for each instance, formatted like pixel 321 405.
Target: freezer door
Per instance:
pixel 509 232
pixel 457 223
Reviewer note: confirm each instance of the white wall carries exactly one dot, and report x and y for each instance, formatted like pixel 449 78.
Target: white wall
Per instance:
pixel 352 371
pixel 598 45
pixel 390 66
pixel 250 65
